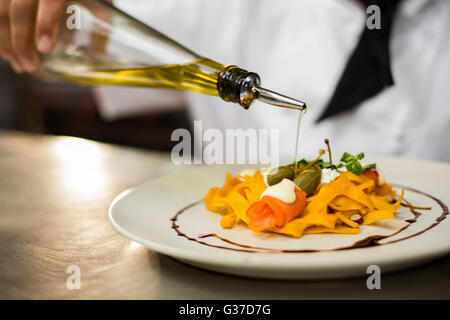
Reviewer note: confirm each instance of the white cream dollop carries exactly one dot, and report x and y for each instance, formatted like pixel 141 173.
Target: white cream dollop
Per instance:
pixel 328 175
pixel 284 191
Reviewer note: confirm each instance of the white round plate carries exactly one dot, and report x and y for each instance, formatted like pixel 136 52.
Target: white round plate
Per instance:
pixel 147 214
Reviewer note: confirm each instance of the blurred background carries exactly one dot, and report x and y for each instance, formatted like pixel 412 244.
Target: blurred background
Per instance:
pixel 28 103
pixel 301 49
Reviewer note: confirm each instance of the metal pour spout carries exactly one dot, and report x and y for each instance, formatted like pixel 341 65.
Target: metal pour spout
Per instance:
pixel 278 100
pixel 238 85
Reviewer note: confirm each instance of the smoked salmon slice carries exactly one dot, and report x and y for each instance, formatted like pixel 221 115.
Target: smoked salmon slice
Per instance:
pixel 270 212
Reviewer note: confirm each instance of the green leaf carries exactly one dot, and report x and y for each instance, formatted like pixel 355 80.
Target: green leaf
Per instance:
pixel 346 157
pixel 370 166
pixel 352 163
pixel 357 168
pixel 303 162
pixel 327 165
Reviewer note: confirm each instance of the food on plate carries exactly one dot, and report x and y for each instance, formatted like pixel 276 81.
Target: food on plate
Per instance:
pixel 306 197
pixel 278 205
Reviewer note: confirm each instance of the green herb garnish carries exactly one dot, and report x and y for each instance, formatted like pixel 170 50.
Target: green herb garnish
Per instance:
pixel 348 161
pixel 352 163
pixel 326 165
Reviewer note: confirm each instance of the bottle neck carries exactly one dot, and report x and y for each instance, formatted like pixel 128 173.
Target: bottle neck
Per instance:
pixel 240 86
pixel 237 85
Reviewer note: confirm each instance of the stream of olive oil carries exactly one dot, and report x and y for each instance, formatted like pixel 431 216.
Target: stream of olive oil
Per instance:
pixel 199 76
pixel 297 139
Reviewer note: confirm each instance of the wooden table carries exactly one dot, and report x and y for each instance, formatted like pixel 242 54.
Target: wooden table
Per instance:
pixel 54 198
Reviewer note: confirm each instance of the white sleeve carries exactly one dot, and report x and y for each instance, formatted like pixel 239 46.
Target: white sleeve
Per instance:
pixel 120 102
pixel 175 18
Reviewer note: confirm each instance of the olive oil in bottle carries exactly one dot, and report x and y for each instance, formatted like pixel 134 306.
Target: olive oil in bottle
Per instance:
pixel 199 76
pixel 102 45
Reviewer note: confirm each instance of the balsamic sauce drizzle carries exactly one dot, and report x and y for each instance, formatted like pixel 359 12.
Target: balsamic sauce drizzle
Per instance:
pixel 416 213
pixel 370 241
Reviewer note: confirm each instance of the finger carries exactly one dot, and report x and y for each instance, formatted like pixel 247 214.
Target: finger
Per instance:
pixel 5 46
pixel 22 13
pixel 5 38
pixel 16 66
pixel 49 15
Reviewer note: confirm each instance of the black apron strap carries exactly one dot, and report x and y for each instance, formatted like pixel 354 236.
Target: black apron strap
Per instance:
pixel 368 70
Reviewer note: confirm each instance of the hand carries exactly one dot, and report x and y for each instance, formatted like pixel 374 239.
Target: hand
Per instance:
pixel 27 26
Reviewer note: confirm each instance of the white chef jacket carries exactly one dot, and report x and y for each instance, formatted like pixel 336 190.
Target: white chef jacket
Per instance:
pixel 300 48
